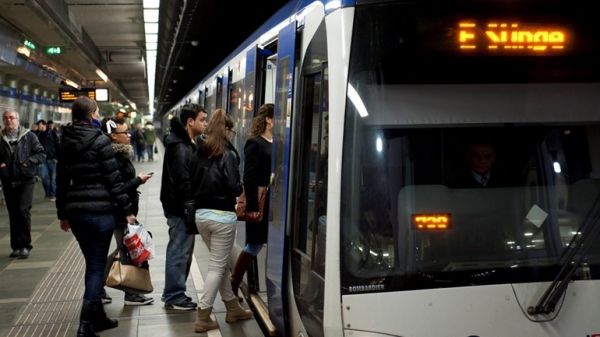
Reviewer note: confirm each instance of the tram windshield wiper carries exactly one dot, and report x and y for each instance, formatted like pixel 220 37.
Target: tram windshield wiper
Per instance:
pixel 574 257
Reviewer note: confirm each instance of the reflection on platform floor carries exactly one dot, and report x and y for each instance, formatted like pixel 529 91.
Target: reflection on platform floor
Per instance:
pixel 41 296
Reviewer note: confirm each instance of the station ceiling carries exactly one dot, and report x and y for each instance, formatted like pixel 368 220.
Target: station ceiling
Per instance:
pixel 218 27
pixel 109 35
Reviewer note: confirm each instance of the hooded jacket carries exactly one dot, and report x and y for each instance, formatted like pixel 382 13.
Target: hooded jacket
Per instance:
pixel 21 163
pixel 175 189
pixel 131 181
pixel 87 174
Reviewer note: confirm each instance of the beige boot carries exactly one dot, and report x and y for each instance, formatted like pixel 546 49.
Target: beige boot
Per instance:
pixel 204 322
pixel 235 312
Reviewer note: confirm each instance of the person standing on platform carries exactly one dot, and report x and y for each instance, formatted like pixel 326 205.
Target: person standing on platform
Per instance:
pixel 20 154
pixel 140 142
pixel 118 132
pixel 257 172
pixel 178 203
pixel 150 137
pixel 216 220
pixel 89 191
pixel 47 169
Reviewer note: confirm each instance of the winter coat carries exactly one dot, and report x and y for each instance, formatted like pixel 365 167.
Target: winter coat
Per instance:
pixel 175 189
pixel 21 164
pixel 131 182
pixel 216 181
pixel 257 172
pixel 49 141
pixel 87 174
pixel 150 135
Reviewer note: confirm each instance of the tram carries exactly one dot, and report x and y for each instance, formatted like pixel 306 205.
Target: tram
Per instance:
pixel 437 172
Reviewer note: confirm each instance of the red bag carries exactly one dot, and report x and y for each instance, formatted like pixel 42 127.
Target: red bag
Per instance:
pixel 240 206
pixel 138 253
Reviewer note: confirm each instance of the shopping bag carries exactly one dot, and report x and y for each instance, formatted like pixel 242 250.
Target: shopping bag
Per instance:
pixel 139 243
pixel 127 277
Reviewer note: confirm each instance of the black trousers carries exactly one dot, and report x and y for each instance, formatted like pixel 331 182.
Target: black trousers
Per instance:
pixel 18 203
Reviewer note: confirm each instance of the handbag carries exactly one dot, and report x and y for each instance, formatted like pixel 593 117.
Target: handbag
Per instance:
pixel 240 206
pixel 128 277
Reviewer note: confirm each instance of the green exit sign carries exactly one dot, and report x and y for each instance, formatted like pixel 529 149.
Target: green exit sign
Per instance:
pixel 53 50
pixel 29 44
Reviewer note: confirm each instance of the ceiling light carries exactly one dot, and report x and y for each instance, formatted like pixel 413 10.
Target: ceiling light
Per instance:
pixel 181 68
pixel 102 75
pixel 151 3
pixel 151 28
pixel 23 51
pixel 151 15
pixel 151 46
pixel 72 84
pixel 174 81
pixel 151 37
pixel 194 43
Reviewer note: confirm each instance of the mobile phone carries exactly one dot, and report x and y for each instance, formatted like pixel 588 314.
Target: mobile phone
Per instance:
pixel 150 173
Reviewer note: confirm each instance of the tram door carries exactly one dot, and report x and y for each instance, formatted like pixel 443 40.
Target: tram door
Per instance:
pixel 310 204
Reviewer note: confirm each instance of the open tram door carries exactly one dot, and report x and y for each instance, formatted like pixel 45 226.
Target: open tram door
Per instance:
pixel 277 257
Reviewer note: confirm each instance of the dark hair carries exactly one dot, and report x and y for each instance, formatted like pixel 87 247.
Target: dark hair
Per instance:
pixel 41 121
pixel 216 133
pixel 259 124
pixel 105 120
pixel 50 121
pixel 83 108
pixel 190 110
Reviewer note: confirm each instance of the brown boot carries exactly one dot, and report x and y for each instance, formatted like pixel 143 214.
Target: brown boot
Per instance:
pixel 235 312
pixel 204 322
pixel 241 265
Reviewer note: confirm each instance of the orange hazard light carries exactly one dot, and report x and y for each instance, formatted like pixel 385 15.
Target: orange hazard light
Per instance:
pixel 432 222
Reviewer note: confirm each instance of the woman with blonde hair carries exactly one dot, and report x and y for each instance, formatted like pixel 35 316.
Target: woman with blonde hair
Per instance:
pixel 216 189
pixel 257 172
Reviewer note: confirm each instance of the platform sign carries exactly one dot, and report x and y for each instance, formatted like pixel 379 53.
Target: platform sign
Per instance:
pixel 53 50
pixel 97 94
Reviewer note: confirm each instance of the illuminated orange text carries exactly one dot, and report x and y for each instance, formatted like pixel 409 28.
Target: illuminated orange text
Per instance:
pixel 510 37
pixel 431 221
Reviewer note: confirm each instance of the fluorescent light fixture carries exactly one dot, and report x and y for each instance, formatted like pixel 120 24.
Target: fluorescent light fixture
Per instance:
pixel 379 145
pixel 151 3
pixel 151 28
pixel 133 105
pixel 72 84
pixel 23 51
pixel 151 37
pixel 331 5
pixel 102 75
pixel 556 166
pixel 357 101
pixel 151 46
pixel 101 94
pixel 150 15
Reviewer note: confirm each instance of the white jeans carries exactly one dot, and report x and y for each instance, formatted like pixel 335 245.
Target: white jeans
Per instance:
pixel 219 238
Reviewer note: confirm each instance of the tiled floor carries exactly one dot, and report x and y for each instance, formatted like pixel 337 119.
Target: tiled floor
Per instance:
pixel 24 283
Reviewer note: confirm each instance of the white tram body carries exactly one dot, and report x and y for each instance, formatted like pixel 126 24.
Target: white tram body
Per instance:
pixel 377 227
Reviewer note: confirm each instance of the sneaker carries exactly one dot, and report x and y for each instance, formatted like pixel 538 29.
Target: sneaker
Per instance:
pixel 23 253
pixel 104 297
pixel 14 253
pixel 51 199
pixel 136 299
pixel 183 306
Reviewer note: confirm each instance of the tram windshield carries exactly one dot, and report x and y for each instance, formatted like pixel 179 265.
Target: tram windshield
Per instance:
pixel 471 144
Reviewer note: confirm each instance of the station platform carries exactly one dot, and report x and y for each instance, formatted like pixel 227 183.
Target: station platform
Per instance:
pixel 41 295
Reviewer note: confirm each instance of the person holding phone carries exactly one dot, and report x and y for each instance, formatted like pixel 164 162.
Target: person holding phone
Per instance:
pixel 118 132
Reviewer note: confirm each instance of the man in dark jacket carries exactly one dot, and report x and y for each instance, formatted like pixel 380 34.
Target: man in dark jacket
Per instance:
pixel 178 205
pixel 20 154
pixel 49 141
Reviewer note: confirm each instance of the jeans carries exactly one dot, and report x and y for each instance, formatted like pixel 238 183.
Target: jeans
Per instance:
pixel 93 232
pixel 178 260
pixel 18 203
pixel 150 150
pixel 219 238
pixel 48 174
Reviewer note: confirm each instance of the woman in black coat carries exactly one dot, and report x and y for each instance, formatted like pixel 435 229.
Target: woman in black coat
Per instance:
pixel 257 172
pixel 120 135
pixel 89 190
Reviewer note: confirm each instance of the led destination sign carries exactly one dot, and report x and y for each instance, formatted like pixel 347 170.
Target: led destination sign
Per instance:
pixel 511 37
pixel 97 94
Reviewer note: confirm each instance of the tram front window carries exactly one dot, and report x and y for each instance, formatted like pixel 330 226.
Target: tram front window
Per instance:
pixel 466 168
